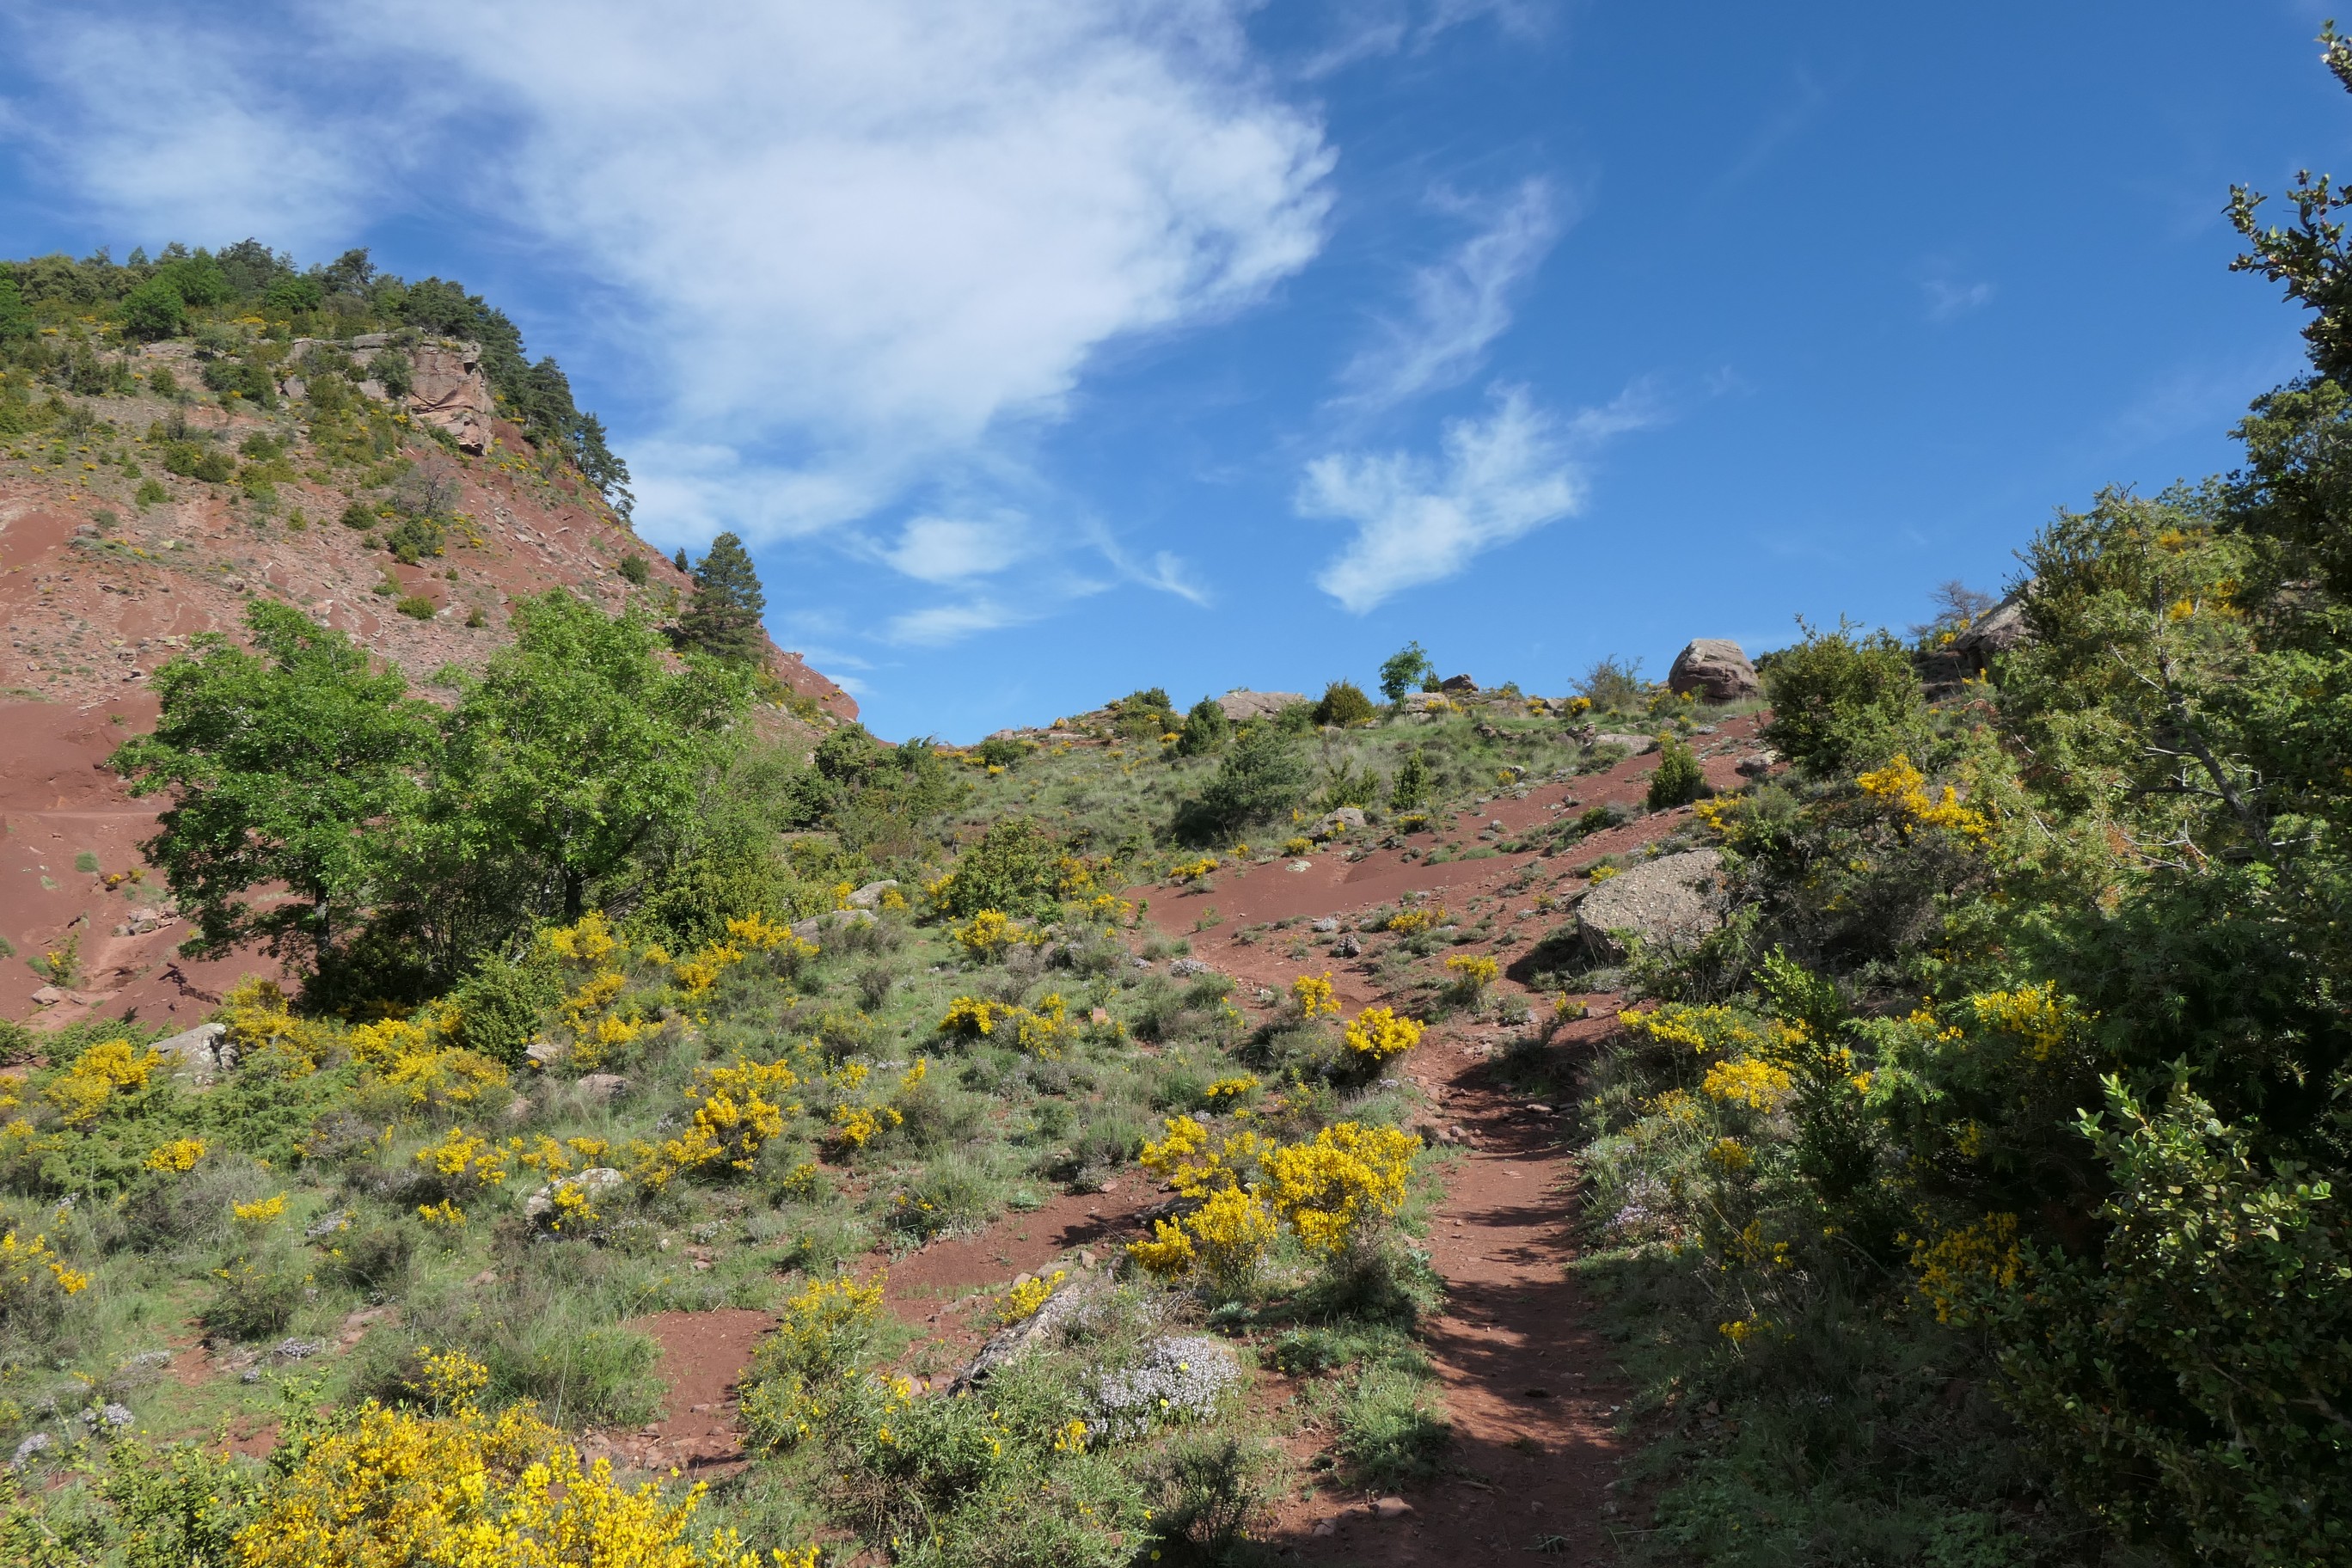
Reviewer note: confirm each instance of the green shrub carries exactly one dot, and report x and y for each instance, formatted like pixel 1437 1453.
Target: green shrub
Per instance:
pixel 1411 786
pixel 1612 683
pixel 193 460
pixel 501 1004
pixel 1205 728
pixel 1263 776
pixel 634 570
pixel 358 516
pixel 1390 1428
pixel 254 1298
pixel 412 538
pixel 1344 703
pixel 1678 780
pixel 1843 702
pixel 151 493
pixel 415 606
pixel 1016 867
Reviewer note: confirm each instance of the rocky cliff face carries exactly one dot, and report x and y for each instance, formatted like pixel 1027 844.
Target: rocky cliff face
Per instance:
pixel 99 586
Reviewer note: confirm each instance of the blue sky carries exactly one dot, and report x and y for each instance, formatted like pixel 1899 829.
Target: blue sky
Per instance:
pixel 1045 349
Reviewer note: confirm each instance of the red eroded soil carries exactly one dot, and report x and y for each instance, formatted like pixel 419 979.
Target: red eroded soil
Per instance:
pixel 699 1430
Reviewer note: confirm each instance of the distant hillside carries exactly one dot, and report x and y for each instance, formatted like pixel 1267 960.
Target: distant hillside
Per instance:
pixel 177 436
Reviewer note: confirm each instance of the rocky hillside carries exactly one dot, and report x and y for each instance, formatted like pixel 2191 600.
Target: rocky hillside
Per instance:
pixel 411 516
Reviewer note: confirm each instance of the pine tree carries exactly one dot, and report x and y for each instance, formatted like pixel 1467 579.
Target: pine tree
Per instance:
pixel 723 620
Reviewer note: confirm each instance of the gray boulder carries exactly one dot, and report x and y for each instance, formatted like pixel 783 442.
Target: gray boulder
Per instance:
pixel 1716 669
pixel 203 1053
pixel 816 926
pixel 1673 901
pixel 870 896
pixel 1640 746
pixel 1242 705
pixel 1346 819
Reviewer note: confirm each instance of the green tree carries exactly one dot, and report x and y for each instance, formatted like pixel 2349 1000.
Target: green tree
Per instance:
pixel 576 759
pixel 1404 671
pixel 1015 866
pixel 283 765
pixel 723 617
pixel 152 310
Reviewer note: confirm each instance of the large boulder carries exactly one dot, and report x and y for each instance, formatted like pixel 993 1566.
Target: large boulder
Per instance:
pixel 1240 706
pixel 1674 901
pixel 1716 669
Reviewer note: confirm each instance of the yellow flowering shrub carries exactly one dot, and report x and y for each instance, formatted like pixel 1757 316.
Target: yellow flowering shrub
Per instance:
pixel 1962 1264
pixel 176 1158
pixel 1025 1298
pixel 1234 1089
pixel 1409 922
pixel 734 1118
pixel 697 975
pixel 1227 1237
pixel 757 932
pixel 462 1160
pixel 1295 846
pixel 261 1210
pixel 1193 871
pixel 990 931
pixel 805 1372
pixel 28 1266
pixel 461 1490
pixel 1313 995
pixel 1110 909
pixel 1376 1034
pixel 1330 1189
pixel 1748 1082
pixel 2033 1014
pixel 1471 972
pixel 417 1059
pixel 854 1126
pixel 1042 1031
pixel 970 1015
pixel 1901 786
pixel 106 1069
pixel 262 1025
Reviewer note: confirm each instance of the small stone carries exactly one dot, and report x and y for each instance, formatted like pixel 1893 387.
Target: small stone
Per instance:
pixel 1325 1527
pixel 39 1443
pixel 1391 1508
pixel 1099 1018
pixel 1328 923
pixel 47 996
pixel 1347 946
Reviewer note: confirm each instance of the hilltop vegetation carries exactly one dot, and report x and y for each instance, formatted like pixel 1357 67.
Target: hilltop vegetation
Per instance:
pixel 67 324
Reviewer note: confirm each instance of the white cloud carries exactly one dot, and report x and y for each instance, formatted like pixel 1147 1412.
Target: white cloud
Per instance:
pixel 951 549
pixel 860 240
pixel 1946 300
pixel 1460 304
pixel 940 624
pixel 1498 479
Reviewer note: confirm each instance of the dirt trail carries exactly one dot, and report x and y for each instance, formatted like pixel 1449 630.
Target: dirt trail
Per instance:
pixel 1527 1383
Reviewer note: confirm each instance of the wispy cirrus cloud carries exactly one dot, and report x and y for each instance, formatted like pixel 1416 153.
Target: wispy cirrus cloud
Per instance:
pixel 1460 304
pixel 1495 480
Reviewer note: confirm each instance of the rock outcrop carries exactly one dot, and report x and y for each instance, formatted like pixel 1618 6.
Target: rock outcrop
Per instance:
pixel 1671 901
pixel 1716 669
pixel 450 393
pixel 1239 706
pixel 1994 633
